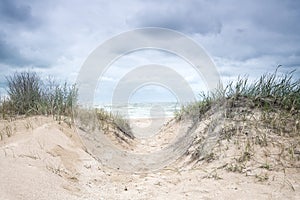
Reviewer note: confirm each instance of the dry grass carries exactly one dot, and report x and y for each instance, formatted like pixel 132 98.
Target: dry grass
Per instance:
pixel 260 130
pixel 29 95
pixel 99 119
pixel 270 92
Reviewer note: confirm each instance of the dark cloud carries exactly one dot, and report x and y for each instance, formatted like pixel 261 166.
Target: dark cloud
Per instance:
pixel 276 16
pixel 12 11
pixel 185 16
pixel 16 19
pixel 9 54
pixel 250 35
pixel 254 30
pixel 14 56
pixel 241 29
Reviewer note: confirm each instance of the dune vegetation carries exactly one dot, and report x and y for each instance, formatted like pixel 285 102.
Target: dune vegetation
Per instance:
pixel 242 141
pixel 251 128
pixel 270 92
pixel 29 95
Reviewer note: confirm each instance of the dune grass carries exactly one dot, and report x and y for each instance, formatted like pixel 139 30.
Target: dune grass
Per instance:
pixel 94 118
pixel 270 92
pixel 117 120
pixel 260 124
pixel 29 95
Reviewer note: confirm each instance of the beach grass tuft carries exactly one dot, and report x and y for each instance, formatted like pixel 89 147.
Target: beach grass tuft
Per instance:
pixel 28 94
pixel 270 92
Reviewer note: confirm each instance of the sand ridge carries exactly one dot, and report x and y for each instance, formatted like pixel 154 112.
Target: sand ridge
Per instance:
pixel 48 161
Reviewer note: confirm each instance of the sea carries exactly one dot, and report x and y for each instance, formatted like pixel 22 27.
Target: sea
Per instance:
pixel 143 110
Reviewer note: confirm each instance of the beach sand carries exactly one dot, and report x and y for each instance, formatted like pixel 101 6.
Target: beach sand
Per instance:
pixel 43 159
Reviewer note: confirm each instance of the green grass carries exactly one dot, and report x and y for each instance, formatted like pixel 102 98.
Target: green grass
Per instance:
pixel 270 92
pixel 29 95
pixel 260 126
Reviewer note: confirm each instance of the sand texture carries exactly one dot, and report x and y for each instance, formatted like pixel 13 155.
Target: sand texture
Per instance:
pixel 42 159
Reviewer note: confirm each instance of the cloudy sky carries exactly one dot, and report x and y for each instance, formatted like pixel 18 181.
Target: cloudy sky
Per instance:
pixel 55 37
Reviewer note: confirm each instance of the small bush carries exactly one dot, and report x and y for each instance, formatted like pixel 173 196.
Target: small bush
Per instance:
pixel 25 92
pixel 28 94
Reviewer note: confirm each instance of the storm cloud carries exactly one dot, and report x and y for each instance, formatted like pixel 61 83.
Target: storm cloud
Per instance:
pixel 14 12
pixel 242 37
pixel 184 16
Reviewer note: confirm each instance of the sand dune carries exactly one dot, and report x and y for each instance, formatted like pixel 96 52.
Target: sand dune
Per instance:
pixel 43 159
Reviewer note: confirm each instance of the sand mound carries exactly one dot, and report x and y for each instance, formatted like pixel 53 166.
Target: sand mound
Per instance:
pixel 233 152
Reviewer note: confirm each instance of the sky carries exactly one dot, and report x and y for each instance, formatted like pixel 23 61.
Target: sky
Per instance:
pixel 54 38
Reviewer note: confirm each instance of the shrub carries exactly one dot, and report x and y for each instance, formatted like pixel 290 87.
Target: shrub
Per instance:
pixel 29 95
pixel 25 92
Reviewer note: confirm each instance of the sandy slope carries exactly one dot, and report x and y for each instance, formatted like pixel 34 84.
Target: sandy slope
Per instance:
pixel 46 160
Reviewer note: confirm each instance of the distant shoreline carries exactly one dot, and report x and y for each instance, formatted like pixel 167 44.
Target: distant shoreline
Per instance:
pixel 144 110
